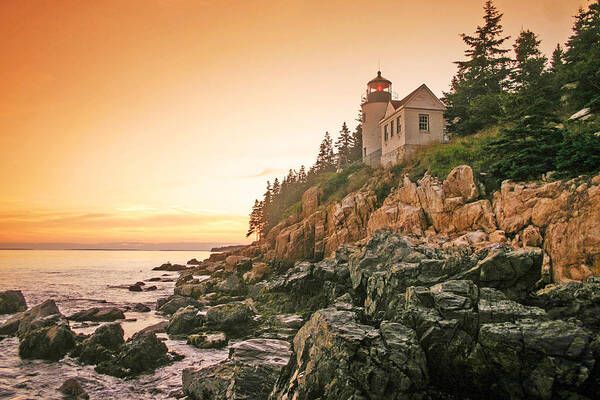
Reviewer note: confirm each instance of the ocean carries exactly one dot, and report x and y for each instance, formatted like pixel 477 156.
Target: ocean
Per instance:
pixel 81 279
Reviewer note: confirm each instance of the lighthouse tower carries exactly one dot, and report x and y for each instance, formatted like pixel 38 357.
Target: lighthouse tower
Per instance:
pixel 379 94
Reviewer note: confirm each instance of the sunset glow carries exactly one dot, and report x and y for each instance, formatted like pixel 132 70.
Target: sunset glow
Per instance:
pixel 161 120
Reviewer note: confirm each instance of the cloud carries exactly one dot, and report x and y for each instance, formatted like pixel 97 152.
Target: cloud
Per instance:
pixel 268 172
pixel 171 224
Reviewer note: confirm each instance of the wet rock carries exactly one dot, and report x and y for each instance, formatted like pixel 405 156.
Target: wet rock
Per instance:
pixel 185 321
pixel 104 314
pixel 159 327
pixel 43 314
pixel 139 283
pixel 135 288
pixel 258 272
pixel 480 343
pixel 335 356
pixel 101 346
pixel 155 279
pixel 173 303
pixel 208 340
pixel 48 343
pixel 139 307
pixel 579 300
pixel 142 353
pixel 196 290
pixel 250 372
pixel 170 267
pixel 151 288
pixel 73 388
pixel 235 319
pixel 12 301
pixel 232 285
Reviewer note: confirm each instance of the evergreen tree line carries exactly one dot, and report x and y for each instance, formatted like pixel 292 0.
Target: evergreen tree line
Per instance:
pixel 530 96
pixel 279 196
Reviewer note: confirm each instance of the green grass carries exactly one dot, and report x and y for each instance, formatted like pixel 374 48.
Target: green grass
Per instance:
pixel 439 159
pixel 336 186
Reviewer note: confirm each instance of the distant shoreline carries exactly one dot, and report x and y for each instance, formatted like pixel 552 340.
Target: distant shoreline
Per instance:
pixel 6 249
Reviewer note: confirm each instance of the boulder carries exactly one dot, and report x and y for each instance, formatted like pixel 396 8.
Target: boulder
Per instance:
pixel 97 314
pixel 142 353
pixel 101 346
pixel 139 307
pixel 460 183
pixel 235 319
pixel 193 261
pixel 73 389
pixel 337 357
pixel 208 340
pixel 258 272
pixel 159 327
pixel 48 343
pixel 151 288
pixel 185 321
pixel 12 301
pixel 250 372
pixel 135 288
pixel 170 267
pixel 43 314
pixel 174 303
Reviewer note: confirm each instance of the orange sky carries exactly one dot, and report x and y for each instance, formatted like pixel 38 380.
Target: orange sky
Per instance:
pixel 160 120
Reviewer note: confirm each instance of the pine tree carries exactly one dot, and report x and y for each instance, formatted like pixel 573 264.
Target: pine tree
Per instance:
pixel 533 94
pixel 475 97
pixel 582 58
pixel 557 59
pixel 344 145
pixel 276 188
pixel 357 144
pixel 326 158
pixel 256 223
pixel 302 174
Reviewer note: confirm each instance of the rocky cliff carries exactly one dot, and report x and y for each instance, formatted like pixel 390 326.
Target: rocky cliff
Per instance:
pixel 562 217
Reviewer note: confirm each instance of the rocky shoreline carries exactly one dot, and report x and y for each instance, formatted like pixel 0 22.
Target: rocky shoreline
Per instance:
pixel 424 297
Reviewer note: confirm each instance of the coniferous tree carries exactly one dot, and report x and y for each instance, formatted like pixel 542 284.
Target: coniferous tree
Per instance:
pixel 326 158
pixel 557 61
pixel 276 188
pixel 582 59
pixel 475 97
pixel 302 174
pixel 256 224
pixel 533 93
pixel 344 145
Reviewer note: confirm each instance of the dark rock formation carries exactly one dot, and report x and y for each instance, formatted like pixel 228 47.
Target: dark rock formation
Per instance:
pixel 250 372
pixel 42 330
pixel 208 340
pixel 184 321
pixel 73 389
pixel 101 346
pixel 105 314
pixel 173 303
pixel 337 357
pixel 142 353
pixel 12 301
pixel 170 267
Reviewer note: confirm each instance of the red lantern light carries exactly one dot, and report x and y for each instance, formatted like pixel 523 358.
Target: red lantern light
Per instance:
pixel 379 88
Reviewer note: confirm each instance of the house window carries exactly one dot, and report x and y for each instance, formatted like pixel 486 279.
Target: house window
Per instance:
pixel 392 128
pixel 385 133
pixel 365 150
pixel 398 125
pixel 424 122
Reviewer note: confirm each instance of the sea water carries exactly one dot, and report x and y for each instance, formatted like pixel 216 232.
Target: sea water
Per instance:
pixel 81 279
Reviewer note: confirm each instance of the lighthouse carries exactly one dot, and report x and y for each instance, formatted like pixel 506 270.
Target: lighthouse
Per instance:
pixel 379 94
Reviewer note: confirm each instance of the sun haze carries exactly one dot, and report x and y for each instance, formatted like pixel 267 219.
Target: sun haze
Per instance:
pixel 161 120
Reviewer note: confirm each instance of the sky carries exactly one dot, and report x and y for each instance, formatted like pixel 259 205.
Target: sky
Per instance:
pixel 161 120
